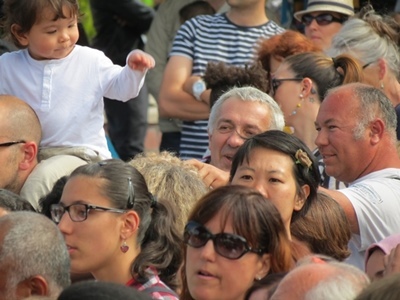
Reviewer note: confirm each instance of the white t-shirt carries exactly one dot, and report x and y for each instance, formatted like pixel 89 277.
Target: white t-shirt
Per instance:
pixel 67 94
pixel 376 201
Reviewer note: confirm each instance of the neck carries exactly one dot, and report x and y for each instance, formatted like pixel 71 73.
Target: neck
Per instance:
pixel 304 122
pixel 392 91
pixel 250 16
pixel 118 269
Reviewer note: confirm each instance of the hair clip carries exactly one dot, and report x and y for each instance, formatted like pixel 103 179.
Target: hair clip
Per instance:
pixel 302 158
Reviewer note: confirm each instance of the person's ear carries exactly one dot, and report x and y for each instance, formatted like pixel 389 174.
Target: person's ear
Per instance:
pixel 302 197
pixel 19 35
pixel 30 150
pixel 307 87
pixel 130 225
pixel 264 266
pixel 382 68
pixel 377 128
pixel 32 286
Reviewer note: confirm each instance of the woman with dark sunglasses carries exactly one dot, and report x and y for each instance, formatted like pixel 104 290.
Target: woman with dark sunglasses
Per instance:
pixel 234 236
pixel 323 19
pixel 117 231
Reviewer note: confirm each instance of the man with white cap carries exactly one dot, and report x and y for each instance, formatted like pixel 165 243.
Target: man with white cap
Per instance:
pixel 323 19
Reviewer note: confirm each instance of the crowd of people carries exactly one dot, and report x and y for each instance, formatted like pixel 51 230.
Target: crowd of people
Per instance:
pixel 278 175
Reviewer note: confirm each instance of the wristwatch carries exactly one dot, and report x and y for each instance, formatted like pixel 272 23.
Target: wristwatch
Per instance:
pixel 198 88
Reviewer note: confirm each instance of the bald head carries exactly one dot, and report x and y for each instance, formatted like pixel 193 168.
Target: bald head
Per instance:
pixel 325 280
pixel 18 121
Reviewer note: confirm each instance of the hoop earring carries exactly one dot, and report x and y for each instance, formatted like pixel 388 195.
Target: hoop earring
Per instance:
pixel 124 247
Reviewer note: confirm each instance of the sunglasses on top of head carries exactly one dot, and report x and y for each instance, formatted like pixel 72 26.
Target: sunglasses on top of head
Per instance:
pixel 228 245
pixel 322 19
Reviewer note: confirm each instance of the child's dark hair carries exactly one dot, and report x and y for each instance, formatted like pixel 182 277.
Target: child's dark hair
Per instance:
pixel 220 77
pixel 25 13
pixel 195 8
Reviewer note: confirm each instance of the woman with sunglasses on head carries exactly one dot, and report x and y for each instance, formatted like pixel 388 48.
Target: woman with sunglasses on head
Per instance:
pixel 374 40
pixel 282 168
pixel 117 231
pixel 299 86
pixel 234 236
pixel 322 19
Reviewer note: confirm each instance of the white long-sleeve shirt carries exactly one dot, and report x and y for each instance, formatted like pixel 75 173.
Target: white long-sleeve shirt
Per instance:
pixel 67 94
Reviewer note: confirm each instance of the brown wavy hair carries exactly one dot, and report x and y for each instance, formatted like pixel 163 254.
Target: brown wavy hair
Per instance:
pixel 253 217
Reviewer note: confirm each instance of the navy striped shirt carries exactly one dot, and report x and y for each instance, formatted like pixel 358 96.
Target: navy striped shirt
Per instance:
pixel 214 38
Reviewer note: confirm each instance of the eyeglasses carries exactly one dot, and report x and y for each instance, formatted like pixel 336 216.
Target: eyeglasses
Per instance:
pixel 8 144
pixel 78 212
pixel 275 82
pixel 228 245
pixel 322 19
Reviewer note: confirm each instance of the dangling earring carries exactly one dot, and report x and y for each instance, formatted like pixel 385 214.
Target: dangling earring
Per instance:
pixel 298 105
pixel 124 247
pixel 382 86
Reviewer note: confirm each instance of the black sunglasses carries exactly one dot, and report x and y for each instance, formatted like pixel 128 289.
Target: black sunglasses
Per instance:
pixel 322 19
pixel 228 245
pixel 275 82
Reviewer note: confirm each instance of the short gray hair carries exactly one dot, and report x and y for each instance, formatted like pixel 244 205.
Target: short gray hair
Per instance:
pixel 373 104
pixel 250 94
pixel 359 38
pixel 35 246
pixel 345 283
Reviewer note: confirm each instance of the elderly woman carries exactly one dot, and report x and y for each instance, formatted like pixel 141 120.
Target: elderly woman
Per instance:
pixel 234 236
pixel 373 39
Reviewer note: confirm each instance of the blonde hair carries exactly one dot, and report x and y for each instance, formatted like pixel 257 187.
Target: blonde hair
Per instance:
pixel 170 179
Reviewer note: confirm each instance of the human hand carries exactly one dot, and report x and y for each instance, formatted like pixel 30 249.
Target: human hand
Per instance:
pixel 211 176
pixel 392 261
pixel 140 61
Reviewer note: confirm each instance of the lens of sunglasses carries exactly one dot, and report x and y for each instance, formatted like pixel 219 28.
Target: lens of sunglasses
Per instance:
pixel 228 245
pixel 323 19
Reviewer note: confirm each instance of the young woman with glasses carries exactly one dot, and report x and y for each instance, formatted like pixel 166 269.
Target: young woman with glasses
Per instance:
pixel 234 237
pixel 117 231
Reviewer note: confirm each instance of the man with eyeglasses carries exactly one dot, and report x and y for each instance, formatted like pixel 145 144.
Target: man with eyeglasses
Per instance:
pixel 322 20
pixel 20 135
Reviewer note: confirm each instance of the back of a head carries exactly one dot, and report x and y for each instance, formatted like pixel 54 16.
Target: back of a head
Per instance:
pixel 97 290
pixel 34 246
pixel 220 77
pixel 10 201
pixel 318 279
pixel 325 228
pixel 21 120
pixel 283 45
pixel 170 179
pixel 369 31
pixel 387 288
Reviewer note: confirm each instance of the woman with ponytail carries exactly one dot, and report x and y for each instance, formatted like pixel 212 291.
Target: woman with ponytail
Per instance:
pixel 117 231
pixel 299 86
